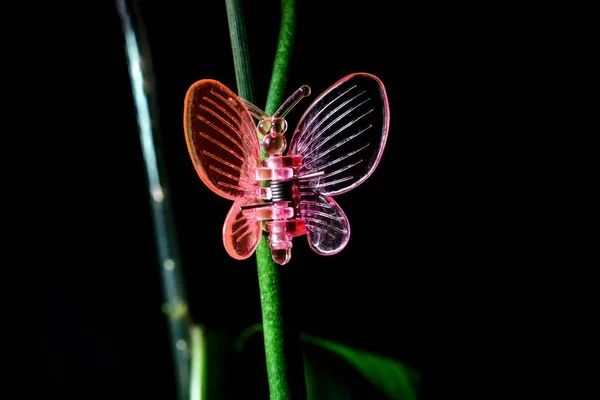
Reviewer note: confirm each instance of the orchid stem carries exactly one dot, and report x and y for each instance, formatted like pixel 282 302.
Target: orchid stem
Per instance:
pixel 285 370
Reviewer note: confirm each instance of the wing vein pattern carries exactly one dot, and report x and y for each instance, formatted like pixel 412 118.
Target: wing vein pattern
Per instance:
pixel 342 136
pixel 224 148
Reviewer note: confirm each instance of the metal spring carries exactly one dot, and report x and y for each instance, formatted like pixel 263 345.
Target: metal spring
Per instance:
pixel 281 191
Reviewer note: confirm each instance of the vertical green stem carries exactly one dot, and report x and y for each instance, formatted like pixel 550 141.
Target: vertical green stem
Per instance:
pixel 139 61
pixel 285 368
pixel 239 46
pixel 284 363
pixel 282 56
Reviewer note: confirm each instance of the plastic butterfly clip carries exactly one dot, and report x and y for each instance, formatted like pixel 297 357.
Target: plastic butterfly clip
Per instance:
pixel 336 145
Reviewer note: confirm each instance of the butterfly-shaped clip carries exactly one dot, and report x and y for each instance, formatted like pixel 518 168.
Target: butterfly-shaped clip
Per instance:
pixel 336 146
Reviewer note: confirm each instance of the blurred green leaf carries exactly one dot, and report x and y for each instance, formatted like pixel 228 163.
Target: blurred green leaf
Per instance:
pixel 211 354
pixel 321 383
pixel 198 367
pixel 392 378
pixel 336 371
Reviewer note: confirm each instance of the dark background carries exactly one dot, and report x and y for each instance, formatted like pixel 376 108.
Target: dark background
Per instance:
pixel 398 288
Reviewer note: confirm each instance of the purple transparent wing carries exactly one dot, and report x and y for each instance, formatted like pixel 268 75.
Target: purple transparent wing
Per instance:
pixel 343 134
pixel 221 139
pixel 327 225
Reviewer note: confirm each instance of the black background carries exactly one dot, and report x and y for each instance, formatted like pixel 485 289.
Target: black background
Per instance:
pixel 418 224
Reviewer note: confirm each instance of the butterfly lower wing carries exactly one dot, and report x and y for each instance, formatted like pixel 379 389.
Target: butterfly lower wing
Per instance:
pixel 343 134
pixel 241 231
pixel 328 229
pixel 221 139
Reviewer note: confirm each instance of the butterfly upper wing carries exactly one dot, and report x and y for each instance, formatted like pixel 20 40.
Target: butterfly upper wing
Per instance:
pixel 224 148
pixel 342 134
pixel 221 139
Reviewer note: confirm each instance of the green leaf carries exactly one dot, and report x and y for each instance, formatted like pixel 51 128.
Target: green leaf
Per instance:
pixel 321 383
pixel 336 371
pixel 211 353
pixel 198 365
pixel 392 378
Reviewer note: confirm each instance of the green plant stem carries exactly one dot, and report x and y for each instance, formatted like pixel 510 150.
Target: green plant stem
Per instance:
pixel 239 46
pixel 283 56
pixel 269 280
pixel 175 304
pixel 285 370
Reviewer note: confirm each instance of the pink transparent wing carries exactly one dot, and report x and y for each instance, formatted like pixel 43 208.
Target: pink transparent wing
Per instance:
pixel 221 139
pixel 241 233
pixel 342 134
pixel 327 225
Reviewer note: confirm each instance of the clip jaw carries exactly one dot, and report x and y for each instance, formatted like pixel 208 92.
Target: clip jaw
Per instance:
pixel 279 210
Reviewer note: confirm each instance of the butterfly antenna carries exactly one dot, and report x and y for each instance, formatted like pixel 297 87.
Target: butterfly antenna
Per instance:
pixel 255 111
pixel 287 106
